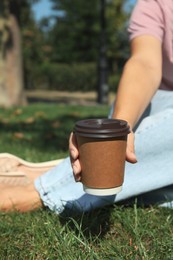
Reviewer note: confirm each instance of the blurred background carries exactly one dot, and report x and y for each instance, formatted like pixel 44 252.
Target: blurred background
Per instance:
pixel 58 46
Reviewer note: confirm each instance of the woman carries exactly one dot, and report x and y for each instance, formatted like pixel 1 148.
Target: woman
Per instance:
pixel 147 79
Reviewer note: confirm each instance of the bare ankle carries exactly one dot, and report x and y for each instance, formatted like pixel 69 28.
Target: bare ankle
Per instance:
pixel 19 198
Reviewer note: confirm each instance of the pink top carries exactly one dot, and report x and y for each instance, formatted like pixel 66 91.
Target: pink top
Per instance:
pixel 155 17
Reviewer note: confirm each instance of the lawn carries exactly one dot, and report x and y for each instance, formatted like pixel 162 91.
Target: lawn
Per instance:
pixel 39 132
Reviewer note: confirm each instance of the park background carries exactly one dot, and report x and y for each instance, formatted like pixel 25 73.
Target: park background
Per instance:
pixel 70 63
pixel 79 46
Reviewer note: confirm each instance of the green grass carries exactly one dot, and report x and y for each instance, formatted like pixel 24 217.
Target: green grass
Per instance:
pixel 40 132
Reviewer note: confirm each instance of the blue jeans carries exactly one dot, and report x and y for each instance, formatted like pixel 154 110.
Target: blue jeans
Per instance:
pixel 150 179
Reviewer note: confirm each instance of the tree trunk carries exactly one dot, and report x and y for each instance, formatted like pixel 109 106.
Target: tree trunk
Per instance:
pixel 11 75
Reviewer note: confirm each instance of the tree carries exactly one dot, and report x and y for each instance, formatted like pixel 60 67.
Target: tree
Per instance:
pixel 11 77
pixel 35 49
pixel 75 33
pixel 117 15
pixel 11 65
pixel 91 30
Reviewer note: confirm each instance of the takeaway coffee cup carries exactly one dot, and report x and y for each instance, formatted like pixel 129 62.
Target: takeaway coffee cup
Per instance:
pixel 102 150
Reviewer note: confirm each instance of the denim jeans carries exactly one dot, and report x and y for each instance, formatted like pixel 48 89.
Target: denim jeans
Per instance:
pixel 150 179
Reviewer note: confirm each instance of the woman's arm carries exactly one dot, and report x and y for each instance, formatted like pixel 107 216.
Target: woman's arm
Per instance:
pixel 139 81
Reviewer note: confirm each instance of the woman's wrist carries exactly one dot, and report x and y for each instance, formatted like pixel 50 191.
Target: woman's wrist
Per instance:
pixel 124 117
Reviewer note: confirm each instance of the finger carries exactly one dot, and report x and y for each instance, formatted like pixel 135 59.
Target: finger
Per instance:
pixel 76 170
pixel 130 151
pixel 130 156
pixel 73 147
pixel 74 154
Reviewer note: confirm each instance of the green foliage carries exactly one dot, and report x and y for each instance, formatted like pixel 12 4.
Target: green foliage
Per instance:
pixel 64 55
pixel 69 77
pixel 113 81
pixel 117 37
pixel 40 132
pixel 75 34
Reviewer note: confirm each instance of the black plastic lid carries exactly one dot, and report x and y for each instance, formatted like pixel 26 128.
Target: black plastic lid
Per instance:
pixel 102 128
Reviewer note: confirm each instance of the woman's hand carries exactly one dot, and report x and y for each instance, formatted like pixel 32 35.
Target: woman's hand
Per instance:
pixel 130 151
pixel 74 154
pixel 74 157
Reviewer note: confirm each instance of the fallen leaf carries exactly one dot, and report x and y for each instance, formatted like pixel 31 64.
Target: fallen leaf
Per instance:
pixel 40 114
pixel 30 120
pixel 19 135
pixel 18 112
pixel 4 121
pixel 56 124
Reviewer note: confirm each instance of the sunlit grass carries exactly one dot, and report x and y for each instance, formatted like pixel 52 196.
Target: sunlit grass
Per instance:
pixel 40 132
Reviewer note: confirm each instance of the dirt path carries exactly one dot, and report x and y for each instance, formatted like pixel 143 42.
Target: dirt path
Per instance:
pixel 81 98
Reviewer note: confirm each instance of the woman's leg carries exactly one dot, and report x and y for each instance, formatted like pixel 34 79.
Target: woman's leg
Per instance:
pixel 154 139
pixel 58 190
pixel 17 182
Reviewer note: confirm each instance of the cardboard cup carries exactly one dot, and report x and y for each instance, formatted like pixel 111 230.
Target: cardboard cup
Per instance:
pixel 102 154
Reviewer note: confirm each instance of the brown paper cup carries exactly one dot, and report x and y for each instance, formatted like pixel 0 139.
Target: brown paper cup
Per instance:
pixel 102 151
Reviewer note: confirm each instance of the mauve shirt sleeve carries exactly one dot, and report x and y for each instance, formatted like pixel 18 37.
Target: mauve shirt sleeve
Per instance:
pixel 146 19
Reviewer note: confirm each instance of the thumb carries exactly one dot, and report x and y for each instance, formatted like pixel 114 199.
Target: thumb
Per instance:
pixel 130 150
